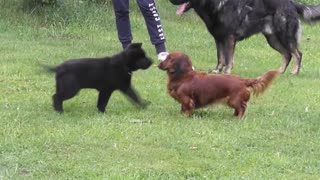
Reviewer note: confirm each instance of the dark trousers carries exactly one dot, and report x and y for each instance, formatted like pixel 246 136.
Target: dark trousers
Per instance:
pixel 151 17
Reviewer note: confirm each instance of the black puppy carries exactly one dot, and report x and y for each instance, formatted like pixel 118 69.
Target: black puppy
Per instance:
pixel 105 74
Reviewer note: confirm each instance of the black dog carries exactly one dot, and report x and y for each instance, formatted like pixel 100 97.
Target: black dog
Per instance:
pixel 105 74
pixel 229 21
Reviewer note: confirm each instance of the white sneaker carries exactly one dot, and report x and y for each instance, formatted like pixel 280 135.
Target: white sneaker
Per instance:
pixel 162 56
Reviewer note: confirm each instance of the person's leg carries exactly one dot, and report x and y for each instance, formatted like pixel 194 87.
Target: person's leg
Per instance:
pixel 121 10
pixel 154 26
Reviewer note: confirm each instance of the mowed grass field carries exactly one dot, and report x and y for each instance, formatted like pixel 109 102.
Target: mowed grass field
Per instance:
pixel 277 139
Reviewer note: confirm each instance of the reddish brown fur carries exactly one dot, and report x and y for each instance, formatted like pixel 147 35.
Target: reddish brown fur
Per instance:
pixel 195 90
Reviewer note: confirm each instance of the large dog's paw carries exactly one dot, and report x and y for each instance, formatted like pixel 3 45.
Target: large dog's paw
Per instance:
pixel 213 71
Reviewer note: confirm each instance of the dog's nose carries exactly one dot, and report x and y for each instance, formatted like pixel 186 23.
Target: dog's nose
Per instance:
pixel 160 66
pixel 150 61
pixel 147 63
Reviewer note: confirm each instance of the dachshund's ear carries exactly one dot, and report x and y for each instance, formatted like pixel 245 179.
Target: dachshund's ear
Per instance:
pixel 182 66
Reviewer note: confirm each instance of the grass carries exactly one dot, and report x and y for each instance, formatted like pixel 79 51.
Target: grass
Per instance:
pixel 277 139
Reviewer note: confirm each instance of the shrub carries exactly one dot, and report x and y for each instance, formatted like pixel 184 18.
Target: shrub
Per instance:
pixel 31 5
pixel 108 2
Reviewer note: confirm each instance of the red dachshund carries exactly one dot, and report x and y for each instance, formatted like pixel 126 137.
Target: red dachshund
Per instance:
pixel 195 90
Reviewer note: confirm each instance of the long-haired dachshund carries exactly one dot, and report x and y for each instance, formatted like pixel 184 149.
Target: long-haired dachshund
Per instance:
pixel 195 90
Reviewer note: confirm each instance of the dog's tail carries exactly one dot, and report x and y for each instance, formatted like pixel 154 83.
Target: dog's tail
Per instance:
pixel 48 67
pixel 309 13
pixel 260 84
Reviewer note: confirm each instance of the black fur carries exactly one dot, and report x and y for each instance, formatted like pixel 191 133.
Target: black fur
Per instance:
pixel 105 74
pixel 229 21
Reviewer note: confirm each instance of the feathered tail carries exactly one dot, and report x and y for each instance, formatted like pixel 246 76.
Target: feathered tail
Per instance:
pixel 309 13
pixel 260 84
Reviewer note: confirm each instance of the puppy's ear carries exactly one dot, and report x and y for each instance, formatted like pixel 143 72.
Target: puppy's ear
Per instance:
pixel 134 49
pixel 135 45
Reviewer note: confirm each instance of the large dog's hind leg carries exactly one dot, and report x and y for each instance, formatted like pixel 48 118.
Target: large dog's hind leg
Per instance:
pixel 276 44
pixel 294 28
pixel 289 32
pixel 298 57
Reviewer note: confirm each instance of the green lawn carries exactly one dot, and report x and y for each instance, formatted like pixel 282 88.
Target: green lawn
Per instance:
pixel 277 139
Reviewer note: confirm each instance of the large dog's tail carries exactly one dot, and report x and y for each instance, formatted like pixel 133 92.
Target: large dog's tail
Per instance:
pixel 260 84
pixel 309 13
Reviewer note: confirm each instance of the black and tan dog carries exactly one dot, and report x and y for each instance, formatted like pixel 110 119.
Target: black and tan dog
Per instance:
pixel 229 21
pixel 105 74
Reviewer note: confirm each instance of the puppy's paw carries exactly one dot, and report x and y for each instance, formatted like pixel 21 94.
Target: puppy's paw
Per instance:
pixel 144 104
pixel 60 111
pixel 101 110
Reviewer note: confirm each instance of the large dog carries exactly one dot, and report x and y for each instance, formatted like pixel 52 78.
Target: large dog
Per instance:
pixel 195 90
pixel 105 74
pixel 229 21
